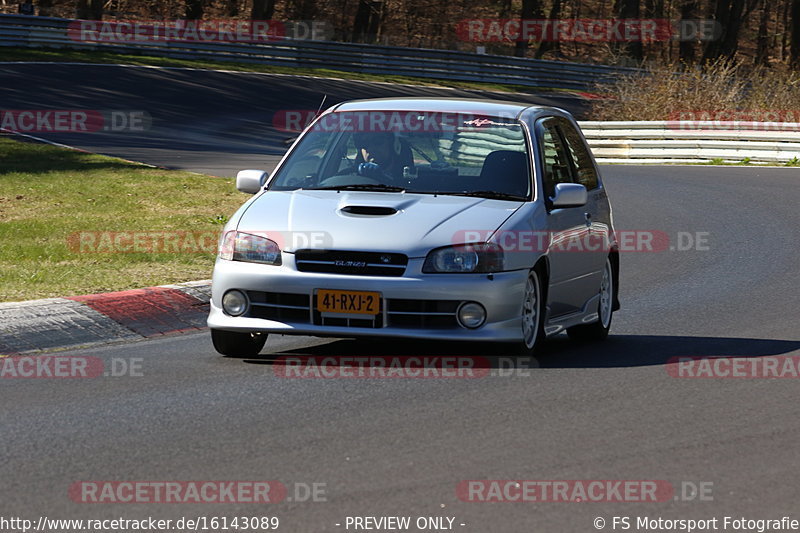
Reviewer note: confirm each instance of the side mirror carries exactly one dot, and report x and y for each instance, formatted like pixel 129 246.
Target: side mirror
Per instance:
pixel 251 181
pixel 570 195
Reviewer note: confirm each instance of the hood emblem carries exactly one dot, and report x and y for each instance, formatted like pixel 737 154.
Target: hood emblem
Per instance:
pixel 352 264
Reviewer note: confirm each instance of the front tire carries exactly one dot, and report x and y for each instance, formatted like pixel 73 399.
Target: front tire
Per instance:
pixel 235 344
pixel 598 331
pixel 532 314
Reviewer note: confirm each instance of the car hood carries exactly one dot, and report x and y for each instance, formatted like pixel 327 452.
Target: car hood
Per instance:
pixel 412 224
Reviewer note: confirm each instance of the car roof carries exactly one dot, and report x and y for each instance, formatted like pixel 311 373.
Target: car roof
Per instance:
pixel 445 105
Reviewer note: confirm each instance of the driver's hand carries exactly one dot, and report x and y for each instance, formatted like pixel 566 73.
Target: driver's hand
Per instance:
pixel 369 169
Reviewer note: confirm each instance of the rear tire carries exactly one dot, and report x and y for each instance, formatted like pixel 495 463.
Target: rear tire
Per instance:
pixel 235 344
pixel 598 331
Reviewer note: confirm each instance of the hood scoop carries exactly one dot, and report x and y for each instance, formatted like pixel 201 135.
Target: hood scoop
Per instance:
pixel 369 210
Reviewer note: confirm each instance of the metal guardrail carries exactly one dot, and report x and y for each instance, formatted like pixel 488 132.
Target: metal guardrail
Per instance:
pixel 611 142
pixel 661 142
pixel 28 31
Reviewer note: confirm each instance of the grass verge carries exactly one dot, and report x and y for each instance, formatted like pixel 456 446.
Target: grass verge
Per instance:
pixel 51 198
pixel 79 56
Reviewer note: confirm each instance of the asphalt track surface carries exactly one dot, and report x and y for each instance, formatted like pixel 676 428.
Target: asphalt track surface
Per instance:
pixel 608 411
pixel 207 121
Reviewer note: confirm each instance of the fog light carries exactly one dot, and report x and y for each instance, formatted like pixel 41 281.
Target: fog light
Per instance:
pixel 234 303
pixel 471 315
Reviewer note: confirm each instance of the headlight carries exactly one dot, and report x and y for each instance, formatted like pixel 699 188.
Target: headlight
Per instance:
pixel 465 258
pixel 238 246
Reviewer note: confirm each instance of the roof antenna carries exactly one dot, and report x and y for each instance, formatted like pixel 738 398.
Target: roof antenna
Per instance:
pixel 291 140
pixel 324 97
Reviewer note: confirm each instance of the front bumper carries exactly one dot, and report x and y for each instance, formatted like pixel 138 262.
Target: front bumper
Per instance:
pixel 500 294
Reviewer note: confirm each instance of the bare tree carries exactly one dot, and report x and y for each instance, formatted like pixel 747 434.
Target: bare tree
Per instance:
pixel 762 45
pixel 368 20
pixel 194 9
pixel 530 9
pixel 630 9
pixel 232 8
pixel 262 9
pixel 551 44
pixel 795 48
pixel 303 9
pixel 89 10
pixel 687 48
pixel 45 7
pixel 728 14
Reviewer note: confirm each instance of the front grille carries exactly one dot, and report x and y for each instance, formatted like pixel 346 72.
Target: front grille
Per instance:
pixel 399 313
pixel 353 263
pixel 357 321
pixel 422 314
pixel 284 307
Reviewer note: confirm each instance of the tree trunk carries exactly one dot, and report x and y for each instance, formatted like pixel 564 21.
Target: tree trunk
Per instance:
pixel 547 45
pixel 376 20
pixel 262 9
pixel 303 9
pixel 82 9
pixel 762 49
pixel 720 14
pixel 730 39
pixel 194 9
pixel 687 49
pixel 361 23
pixel 44 8
pixel 629 9
pixel 795 48
pixel 89 10
pixel 729 16
pixel 530 9
pixel 783 49
pixel 97 9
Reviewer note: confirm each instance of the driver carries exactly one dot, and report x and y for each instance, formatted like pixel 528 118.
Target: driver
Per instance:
pixel 379 155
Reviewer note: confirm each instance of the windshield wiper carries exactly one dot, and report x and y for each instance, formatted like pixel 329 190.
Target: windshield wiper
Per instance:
pixel 360 187
pixel 492 195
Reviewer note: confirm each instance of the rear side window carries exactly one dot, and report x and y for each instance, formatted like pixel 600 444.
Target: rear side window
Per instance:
pixel 579 152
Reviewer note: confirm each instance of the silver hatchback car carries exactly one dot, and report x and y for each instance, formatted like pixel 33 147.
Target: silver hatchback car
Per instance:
pixel 445 219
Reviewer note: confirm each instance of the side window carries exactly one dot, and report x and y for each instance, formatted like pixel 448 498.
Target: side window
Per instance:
pixel 579 152
pixel 556 162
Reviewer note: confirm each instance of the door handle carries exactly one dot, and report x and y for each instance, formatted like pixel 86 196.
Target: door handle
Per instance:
pixel 588 217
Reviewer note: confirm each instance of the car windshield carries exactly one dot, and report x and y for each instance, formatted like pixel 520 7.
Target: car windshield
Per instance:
pixel 431 153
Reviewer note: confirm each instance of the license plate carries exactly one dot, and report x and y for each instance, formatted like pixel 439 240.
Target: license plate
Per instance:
pixel 349 302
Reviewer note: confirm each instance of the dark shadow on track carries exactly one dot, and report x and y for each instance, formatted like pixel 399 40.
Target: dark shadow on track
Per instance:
pixel 559 352
pixel 647 350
